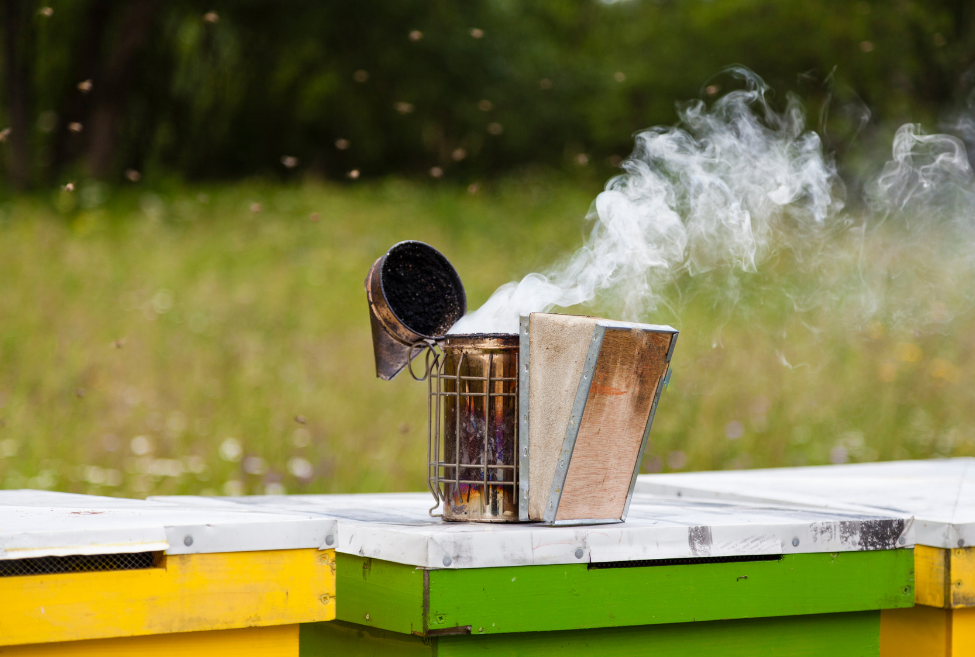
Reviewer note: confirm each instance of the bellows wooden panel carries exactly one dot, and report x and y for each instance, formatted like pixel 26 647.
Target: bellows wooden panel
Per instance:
pixel 589 388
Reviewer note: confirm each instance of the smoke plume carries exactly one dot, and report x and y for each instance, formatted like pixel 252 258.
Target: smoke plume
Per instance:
pixel 728 187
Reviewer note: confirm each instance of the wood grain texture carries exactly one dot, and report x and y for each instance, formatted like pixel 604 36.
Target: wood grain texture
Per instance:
pixel 819 635
pixel 630 365
pixel 377 593
pixel 945 578
pixel 408 600
pixel 558 345
pixel 191 592
pixel 962 582
pixel 276 641
pixel 931 567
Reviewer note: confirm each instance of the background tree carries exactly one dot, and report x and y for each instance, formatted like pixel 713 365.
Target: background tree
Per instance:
pixel 228 89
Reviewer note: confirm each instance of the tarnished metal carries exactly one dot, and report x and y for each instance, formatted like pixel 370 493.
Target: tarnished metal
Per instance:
pixel 523 419
pixel 477 468
pixel 414 295
pixel 473 383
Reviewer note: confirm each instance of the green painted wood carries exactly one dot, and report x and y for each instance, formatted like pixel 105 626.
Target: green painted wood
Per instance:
pixel 549 598
pixel 571 597
pixel 820 635
pixel 338 639
pixel 380 593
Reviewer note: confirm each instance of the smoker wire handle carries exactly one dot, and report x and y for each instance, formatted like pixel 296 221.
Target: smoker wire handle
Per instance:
pixel 431 364
pixel 429 346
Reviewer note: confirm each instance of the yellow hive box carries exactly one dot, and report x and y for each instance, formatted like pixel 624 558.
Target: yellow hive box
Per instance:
pixel 943 622
pixel 81 575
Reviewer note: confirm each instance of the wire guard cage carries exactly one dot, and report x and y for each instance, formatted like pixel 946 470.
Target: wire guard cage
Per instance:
pixel 473 426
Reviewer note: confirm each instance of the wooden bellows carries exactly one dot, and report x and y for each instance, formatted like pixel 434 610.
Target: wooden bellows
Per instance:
pixel 588 390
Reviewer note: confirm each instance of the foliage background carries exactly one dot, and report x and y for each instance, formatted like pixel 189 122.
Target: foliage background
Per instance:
pixel 188 316
pixel 225 89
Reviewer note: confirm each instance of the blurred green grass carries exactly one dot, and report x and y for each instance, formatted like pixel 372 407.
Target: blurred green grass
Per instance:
pixel 216 340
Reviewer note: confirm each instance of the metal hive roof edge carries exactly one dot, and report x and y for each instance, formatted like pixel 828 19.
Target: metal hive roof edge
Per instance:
pixel 395 527
pixel 939 493
pixel 42 524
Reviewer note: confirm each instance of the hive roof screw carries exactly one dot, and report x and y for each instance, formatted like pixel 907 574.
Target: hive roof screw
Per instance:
pixel 447 561
pixel 795 542
pixel 329 539
pixel 579 553
pixel 187 540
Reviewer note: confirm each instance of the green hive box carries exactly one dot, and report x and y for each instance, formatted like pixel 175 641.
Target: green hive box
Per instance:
pixel 678 578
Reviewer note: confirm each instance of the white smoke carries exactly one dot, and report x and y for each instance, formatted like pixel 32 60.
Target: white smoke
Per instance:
pixel 928 173
pixel 726 188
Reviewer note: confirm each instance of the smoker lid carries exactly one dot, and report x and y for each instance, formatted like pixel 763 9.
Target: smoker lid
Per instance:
pixel 414 295
pixel 422 288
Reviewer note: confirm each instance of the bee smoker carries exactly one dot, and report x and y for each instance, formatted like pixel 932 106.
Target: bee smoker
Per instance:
pixel 415 296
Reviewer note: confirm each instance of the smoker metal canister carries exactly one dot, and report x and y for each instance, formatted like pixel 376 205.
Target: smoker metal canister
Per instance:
pixel 476 400
pixel 414 295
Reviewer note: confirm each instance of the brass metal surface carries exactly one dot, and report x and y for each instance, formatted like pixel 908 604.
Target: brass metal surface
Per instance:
pixel 474 407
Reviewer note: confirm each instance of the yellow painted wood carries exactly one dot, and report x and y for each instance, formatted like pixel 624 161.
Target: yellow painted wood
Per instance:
pixel 915 632
pixel 930 576
pixel 963 632
pixel 962 582
pixel 185 593
pixel 925 632
pixel 275 641
pixel 944 578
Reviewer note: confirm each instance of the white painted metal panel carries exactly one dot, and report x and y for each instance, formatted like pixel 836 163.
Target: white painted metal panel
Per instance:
pixel 42 523
pixel 396 527
pixel 940 493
